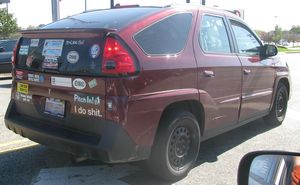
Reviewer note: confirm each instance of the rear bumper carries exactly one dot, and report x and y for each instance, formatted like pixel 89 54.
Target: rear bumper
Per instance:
pixel 112 145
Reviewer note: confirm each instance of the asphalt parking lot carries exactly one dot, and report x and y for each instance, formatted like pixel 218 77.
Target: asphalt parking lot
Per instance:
pixel 23 162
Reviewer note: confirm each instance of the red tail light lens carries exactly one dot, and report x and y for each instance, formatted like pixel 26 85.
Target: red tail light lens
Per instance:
pixel 14 56
pixel 117 59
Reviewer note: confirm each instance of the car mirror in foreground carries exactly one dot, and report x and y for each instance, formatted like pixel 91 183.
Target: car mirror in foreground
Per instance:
pixel 269 51
pixel 269 167
pixel 2 49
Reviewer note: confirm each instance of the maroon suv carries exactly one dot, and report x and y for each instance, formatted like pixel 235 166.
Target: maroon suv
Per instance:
pixel 143 83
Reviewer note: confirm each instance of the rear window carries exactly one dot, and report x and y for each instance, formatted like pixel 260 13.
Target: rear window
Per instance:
pixel 67 56
pixel 111 18
pixel 8 45
pixel 167 36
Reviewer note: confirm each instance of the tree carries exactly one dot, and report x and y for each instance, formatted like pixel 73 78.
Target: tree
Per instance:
pixel 277 34
pixel 295 29
pixel 8 24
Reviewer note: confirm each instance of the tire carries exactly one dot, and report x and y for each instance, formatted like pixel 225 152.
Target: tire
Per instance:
pixel 176 146
pixel 277 114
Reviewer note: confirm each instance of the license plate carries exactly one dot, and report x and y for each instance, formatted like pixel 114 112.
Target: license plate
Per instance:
pixel 55 107
pixel 22 88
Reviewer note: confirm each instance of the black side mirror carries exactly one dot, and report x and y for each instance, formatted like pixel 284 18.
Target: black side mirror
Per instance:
pixel 269 167
pixel 268 51
pixel 2 49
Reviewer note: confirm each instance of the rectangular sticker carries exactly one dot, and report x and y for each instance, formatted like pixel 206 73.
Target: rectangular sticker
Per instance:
pixel 22 88
pixel 23 50
pixel 60 81
pixel 19 75
pixel 34 42
pixel 50 62
pixel 93 83
pixel 87 99
pixel 23 97
pixel 36 78
pixel 53 47
pixel 55 107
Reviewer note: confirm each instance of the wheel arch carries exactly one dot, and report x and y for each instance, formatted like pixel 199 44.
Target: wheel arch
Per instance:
pixel 193 106
pixel 286 82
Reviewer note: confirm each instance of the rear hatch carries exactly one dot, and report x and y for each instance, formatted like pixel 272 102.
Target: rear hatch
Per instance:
pixel 58 78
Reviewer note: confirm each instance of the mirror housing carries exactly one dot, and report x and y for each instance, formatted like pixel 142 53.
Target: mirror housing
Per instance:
pixel 2 49
pixel 268 50
pixel 276 164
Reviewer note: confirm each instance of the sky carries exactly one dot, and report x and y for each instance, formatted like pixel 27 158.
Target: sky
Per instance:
pixel 259 14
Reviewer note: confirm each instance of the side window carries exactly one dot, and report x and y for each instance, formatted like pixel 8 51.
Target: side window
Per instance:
pixel 213 35
pixel 167 36
pixel 246 41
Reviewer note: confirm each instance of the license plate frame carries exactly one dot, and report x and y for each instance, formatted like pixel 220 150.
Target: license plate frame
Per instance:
pixel 55 107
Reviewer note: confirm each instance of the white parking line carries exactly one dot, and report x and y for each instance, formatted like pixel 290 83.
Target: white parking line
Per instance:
pixel 13 142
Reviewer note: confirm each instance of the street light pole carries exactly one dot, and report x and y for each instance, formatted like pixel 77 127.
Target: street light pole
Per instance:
pixel 112 3
pixel 203 2
pixel 85 6
pixel 55 10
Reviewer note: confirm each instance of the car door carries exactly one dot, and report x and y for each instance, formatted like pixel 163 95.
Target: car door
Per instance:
pixel 258 73
pixel 219 73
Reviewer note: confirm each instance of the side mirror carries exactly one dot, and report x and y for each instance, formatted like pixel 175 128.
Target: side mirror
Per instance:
pixel 2 49
pixel 269 51
pixel 269 168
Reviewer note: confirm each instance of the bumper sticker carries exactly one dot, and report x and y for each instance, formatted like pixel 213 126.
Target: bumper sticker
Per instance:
pixel 22 88
pixel 93 83
pixel 79 84
pixel 36 78
pixel 86 111
pixel 23 97
pixel 60 81
pixel 87 99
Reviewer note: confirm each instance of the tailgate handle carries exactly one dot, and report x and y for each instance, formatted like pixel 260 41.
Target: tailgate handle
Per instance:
pixel 209 73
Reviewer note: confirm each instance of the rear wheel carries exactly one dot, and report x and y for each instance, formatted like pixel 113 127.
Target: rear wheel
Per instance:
pixel 176 146
pixel 279 108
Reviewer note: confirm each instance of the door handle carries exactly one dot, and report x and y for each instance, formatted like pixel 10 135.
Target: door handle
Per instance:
pixel 209 73
pixel 247 71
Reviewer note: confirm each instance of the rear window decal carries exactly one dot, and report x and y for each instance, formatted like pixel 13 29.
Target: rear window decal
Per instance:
pixel 34 42
pixel 75 42
pixel 36 78
pixel 95 51
pixel 92 83
pixel 87 99
pixel 24 50
pixel 73 57
pixel 61 81
pixel 79 84
pixel 50 62
pixel 29 61
pixel 53 47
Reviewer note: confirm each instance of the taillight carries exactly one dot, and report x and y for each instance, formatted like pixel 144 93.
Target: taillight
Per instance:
pixel 15 52
pixel 117 59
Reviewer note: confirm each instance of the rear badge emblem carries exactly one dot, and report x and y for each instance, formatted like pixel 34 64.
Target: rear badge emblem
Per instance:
pixel 73 57
pixel 79 84
pixel 95 51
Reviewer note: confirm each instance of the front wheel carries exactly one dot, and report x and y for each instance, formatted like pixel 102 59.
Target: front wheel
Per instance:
pixel 176 146
pixel 277 114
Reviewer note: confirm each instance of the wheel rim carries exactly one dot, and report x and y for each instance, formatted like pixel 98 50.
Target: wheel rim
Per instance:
pixel 181 149
pixel 280 104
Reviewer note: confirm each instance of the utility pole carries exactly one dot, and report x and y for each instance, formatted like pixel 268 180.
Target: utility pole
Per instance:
pixel 188 1
pixel 55 10
pixel 203 2
pixel 85 6
pixel 112 3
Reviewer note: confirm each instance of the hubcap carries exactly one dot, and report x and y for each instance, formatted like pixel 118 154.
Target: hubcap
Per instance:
pixel 179 147
pixel 280 104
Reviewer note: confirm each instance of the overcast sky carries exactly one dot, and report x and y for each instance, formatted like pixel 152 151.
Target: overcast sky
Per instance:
pixel 259 14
